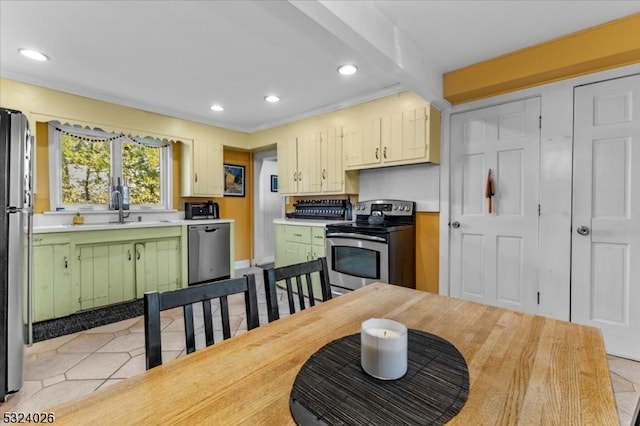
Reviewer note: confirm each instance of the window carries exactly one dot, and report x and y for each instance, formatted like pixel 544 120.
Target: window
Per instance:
pixel 83 161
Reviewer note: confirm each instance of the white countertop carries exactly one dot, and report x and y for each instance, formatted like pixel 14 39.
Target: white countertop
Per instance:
pixel 308 222
pixel 128 224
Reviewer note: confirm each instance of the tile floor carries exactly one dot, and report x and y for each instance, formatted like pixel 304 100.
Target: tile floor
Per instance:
pixel 61 369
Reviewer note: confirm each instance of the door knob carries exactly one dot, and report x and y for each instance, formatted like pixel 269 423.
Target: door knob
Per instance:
pixel 455 225
pixel 583 230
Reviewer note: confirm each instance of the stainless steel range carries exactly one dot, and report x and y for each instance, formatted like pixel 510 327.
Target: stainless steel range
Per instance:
pixel 378 246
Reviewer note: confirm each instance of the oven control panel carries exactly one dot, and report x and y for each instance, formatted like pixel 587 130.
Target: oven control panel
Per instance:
pixel 385 207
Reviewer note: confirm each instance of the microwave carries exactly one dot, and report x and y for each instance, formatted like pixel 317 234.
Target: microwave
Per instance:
pixel 207 210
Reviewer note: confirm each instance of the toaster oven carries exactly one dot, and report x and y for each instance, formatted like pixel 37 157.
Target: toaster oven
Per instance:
pixel 206 210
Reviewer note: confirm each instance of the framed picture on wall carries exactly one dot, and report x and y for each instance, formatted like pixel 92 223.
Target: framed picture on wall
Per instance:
pixel 233 180
pixel 274 183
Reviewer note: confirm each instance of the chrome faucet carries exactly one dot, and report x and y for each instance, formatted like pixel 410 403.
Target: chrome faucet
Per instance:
pixel 115 200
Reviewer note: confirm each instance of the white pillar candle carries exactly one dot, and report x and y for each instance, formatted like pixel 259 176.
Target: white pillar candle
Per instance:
pixel 383 348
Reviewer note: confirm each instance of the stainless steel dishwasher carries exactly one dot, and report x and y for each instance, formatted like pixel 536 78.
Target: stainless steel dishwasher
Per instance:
pixel 209 252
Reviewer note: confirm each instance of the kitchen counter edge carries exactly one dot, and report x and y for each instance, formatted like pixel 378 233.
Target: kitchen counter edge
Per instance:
pixel 46 229
pixel 308 222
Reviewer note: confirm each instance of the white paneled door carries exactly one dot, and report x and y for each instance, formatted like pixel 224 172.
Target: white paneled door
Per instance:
pixel 605 266
pixel 494 247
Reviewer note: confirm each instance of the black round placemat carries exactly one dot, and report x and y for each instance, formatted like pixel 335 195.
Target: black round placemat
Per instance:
pixel 332 389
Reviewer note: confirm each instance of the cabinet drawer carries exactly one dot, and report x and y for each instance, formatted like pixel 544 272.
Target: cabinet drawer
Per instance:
pixel 47 239
pixel 298 234
pixel 317 236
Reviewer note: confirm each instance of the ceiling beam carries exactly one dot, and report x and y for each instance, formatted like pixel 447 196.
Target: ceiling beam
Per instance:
pixel 360 25
pixel 610 45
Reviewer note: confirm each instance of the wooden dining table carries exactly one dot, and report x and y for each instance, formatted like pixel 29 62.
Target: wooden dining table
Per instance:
pixel 523 369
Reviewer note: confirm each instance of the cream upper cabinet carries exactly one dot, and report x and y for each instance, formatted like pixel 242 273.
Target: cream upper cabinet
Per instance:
pixel 288 166
pixel 202 172
pixel 309 164
pixel 312 164
pixel 331 155
pixel 361 144
pixel 405 137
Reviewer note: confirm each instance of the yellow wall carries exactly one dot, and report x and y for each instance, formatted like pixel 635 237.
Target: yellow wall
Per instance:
pixel 41 199
pixel 427 251
pixel 42 105
pixel 240 208
pixel 610 45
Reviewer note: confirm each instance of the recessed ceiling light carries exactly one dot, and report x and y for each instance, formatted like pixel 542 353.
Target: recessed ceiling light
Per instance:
pixel 217 108
pixel 347 69
pixel 272 98
pixel 32 54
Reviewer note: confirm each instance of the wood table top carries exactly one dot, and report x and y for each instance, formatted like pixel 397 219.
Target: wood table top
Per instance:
pixel 523 369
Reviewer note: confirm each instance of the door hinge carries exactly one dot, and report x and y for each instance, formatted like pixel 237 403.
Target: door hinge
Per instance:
pixel 538 298
pixel 540 122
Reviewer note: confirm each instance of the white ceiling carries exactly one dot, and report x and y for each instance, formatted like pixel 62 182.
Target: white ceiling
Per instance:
pixel 179 57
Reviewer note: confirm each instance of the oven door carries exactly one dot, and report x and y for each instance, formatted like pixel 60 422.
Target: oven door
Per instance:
pixel 355 260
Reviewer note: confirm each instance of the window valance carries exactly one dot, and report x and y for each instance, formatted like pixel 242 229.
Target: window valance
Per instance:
pixel 89 134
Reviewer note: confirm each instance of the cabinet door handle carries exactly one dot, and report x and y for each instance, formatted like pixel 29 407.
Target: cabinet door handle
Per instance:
pixel 384 153
pixel 137 254
pixel 66 263
pixel 129 253
pixel 377 153
pixel 196 178
pixel 299 176
pixel 295 176
pixel 324 173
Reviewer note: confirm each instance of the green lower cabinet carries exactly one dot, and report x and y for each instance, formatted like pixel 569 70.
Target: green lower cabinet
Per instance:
pixel 51 282
pixel 125 287
pixel 317 243
pixel 297 244
pixel 115 273
pixel 157 265
pixel 83 270
pixel 167 264
pixel 107 274
pixel 293 253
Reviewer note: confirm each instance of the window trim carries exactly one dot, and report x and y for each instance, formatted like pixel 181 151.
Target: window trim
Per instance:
pixel 55 169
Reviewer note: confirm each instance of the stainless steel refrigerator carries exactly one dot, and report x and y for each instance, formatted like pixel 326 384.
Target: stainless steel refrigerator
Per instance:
pixel 16 194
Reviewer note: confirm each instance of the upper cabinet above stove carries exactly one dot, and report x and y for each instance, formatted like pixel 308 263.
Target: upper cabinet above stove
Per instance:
pixel 403 137
pixel 321 155
pixel 311 164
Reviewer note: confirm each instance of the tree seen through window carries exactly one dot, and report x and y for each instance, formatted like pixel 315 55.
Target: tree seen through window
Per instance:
pixel 87 167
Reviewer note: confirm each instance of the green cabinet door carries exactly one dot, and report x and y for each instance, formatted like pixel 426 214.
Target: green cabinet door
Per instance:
pixel 107 274
pixel 122 278
pixel 51 282
pixel 297 244
pixel 317 241
pixel 167 267
pixel 158 266
pixel 293 253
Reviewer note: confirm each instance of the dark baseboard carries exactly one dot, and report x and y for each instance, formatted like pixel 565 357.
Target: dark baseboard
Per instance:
pixel 85 320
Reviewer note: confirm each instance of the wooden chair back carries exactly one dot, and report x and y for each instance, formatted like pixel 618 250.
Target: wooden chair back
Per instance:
pixel 294 274
pixel 155 302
